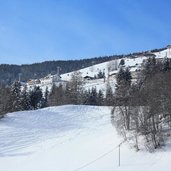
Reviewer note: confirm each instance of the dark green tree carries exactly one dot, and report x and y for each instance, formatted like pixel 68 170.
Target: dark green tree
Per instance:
pixel 15 97
pixel 100 98
pixel 25 99
pixel 109 95
pixel 122 62
pixel 4 99
pixel 46 94
pixel 36 98
pixel 93 96
pixel 166 64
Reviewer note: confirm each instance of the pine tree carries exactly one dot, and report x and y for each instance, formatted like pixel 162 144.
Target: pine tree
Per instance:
pixel 109 95
pixel 25 99
pixel 36 98
pixel 86 96
pixel 100 98
pixel 120 76
pixel 128 76
pixel 4 99
pixel 15 97
pixel 122 62
pixel 123 83
pixel 93 96
pixel 46 94
pixel 150 66
pixel 101 74
pixel 166 64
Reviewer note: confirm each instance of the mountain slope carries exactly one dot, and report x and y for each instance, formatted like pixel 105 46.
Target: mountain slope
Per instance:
pixel 70 138
pixel 8 73
pixel 110 69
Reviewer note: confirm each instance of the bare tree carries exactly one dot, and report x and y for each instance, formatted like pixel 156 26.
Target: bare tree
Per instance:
pixel 143 109
pixel 75 88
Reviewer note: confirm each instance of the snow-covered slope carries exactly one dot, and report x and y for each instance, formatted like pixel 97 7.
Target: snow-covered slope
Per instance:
pixel 164 53
pixel 70 138
pixel 104 67
pixel 108 68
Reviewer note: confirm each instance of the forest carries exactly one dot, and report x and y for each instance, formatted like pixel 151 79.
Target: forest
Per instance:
pixel 10 73
pixel 142 111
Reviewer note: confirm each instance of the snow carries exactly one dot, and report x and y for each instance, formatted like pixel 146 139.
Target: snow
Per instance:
pixel 109 67
pixel 70 138
pixel 94 70
pixel 129 62
pixel 164 53
pixel 100 84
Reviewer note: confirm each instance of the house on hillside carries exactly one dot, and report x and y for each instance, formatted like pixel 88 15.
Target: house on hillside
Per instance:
pixel 88 78
pixel 150 55
pixel 33 82
pixel 50 79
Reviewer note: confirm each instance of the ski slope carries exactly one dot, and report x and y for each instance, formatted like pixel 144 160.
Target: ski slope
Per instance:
pixel 70 138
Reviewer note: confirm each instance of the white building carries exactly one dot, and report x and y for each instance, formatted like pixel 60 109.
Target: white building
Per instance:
pixel 50 79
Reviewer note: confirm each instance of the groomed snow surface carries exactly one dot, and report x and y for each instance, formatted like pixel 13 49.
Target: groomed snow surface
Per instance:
pixel 70 138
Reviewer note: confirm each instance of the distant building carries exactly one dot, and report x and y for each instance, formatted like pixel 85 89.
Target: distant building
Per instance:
pixel 49 79
pixel 88 78
pixel 33 82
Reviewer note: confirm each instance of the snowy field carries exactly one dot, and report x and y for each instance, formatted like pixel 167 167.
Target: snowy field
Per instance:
pixel 70 138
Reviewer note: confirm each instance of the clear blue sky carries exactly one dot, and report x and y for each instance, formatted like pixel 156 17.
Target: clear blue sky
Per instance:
pixel 38 30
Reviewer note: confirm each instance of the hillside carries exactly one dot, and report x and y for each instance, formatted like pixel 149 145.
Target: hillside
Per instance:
pixel 110 68
pixel 70 138
pixel 8 73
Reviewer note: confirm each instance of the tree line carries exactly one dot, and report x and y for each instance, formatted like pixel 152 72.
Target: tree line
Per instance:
pixel 142 109
pixel 13 98
pixel 73 92
pixel 18 97
pixel 10 73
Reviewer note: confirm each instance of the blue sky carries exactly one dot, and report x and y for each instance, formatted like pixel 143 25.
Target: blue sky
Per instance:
pixel 38 30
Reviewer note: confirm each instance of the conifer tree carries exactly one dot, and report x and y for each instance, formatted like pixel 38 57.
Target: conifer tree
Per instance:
pixel 93 96
pixel 100 98
pixel 123 82
pixel 109 95
pixel 122 62
pixel 166 64
pixel 86 96
pixel 36 98
pixel 4 99
pixel 25 99
pixel 46 94
pixel 15 97
pixel 128 76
